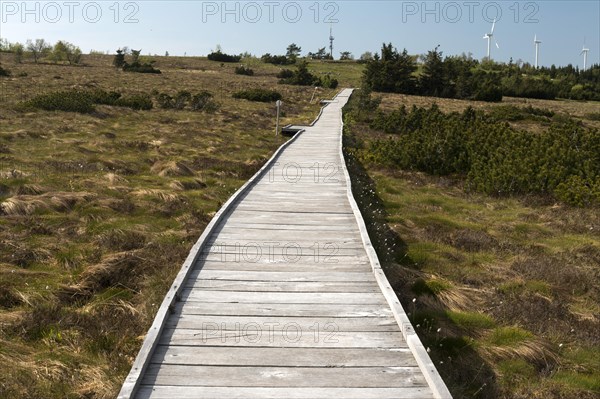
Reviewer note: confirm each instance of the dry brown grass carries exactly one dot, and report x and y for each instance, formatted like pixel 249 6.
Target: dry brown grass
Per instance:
pixel 172 168
pixel 23 205
pixel 100 210
pixel 114 269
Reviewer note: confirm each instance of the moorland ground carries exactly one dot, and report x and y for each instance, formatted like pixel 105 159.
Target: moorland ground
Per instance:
pixel 99 210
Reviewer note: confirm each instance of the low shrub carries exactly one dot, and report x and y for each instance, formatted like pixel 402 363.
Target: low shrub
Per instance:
pixel 203 101
pixel 301 77
pixel 494 158
pixel 69 101
pixel 140 68
pixel 285 74
pixel 222 57
pixel 261 95
pixel 165 101
pixel 136 101
pixel 594 116
pixel 328 82
pixel 4 72
pixel 579 192
pixel 489 93
pixel 181 99
pixel 242 70
pixel 277 59
pixel 99 96
pixel 513 113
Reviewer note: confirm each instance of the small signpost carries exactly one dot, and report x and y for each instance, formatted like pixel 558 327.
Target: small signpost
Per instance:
pixel 278 104
pixel 313 95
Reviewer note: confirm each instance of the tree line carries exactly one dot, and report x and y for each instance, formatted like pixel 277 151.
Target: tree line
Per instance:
pixel 41 50
pixel 464 77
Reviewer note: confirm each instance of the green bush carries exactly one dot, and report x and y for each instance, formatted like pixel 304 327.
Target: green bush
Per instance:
pixel 328 82
pixel 140 68
pixel 165 101
pixel 203 101
pixel 181 99
pixel 136 101
pixel 594 116
pixel 222 57
pixel 301 77
pixel 99 96
pixel 242 70
pixel 512 113
pixel 489 93
pixel 261 95
pixel 278 59
pixel 4 72
pixel 493 158
pixel 285 74
pixel 83 101
pixel 579 192
pixel 69 101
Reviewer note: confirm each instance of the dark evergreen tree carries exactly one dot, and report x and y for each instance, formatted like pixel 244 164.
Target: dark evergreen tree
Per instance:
pixel 119 59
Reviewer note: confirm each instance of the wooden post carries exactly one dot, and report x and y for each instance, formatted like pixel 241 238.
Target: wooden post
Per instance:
pixel 278 104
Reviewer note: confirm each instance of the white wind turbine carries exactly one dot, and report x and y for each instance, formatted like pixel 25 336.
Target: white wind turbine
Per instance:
pixel 489 36
pixel 536 42
pixel 585 54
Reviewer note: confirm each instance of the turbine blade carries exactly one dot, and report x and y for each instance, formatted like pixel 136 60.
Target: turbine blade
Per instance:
pixel 496 43
pixel 493 26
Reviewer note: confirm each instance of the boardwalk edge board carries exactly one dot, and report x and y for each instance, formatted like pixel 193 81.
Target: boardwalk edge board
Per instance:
pixel 142 360
pixel 433 378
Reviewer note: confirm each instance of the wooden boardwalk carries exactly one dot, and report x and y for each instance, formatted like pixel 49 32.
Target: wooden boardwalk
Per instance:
pixel 283 296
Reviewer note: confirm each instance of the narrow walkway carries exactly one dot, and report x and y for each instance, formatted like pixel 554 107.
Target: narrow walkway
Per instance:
pixel 285 297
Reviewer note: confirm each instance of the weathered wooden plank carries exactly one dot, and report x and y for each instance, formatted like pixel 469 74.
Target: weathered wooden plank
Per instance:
pixel 295 255
pixel 283 276
pixel 287 357
pixel 284 267
pixel 298 226
pixel 288 234
pixel 359 377
pixel 293 337
pixel 319 327
pixel 264 188
pixel 276 249
pixel 289 309
pixel 195 392
pixel 260 216
pixel 357 298
pixel 324 216
pixel 259 286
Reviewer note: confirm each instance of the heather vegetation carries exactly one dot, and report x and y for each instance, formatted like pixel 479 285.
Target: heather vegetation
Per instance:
pixel 261 95
pixel 491 156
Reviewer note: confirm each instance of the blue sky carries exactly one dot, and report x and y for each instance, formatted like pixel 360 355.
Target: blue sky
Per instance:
pixel 196 27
